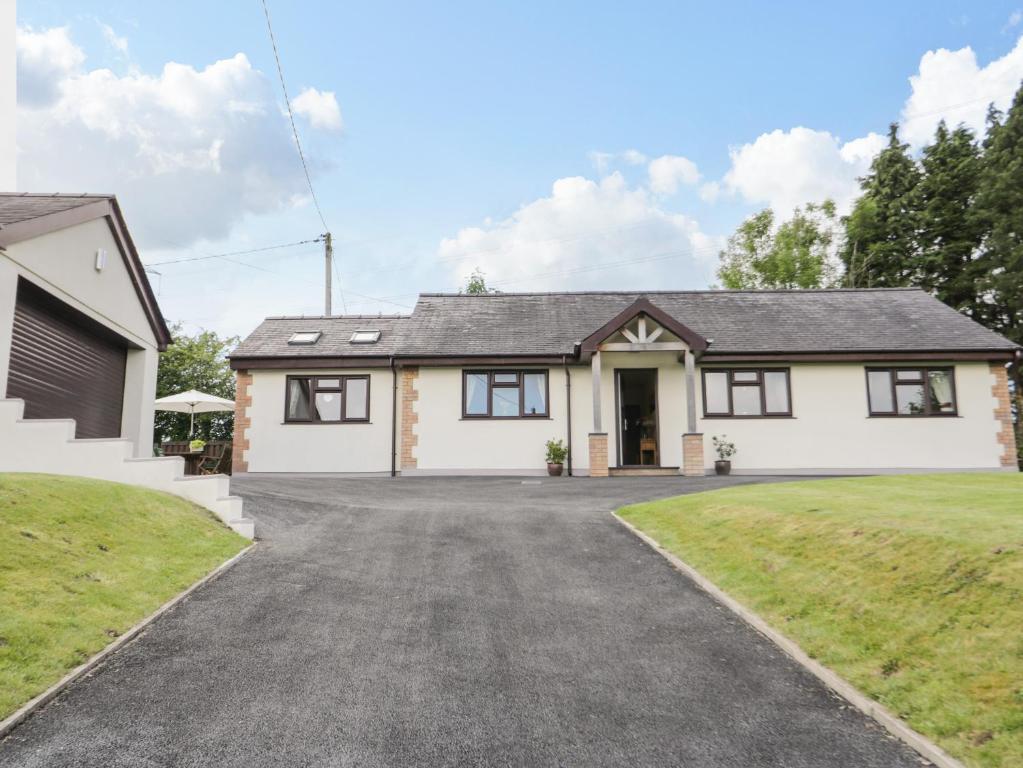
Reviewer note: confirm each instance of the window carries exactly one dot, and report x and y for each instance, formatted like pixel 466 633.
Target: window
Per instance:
pixel 911 392
pixel 504 394
pixel 365 337
pixel 746 393
pixel 304 337
pixel 326 399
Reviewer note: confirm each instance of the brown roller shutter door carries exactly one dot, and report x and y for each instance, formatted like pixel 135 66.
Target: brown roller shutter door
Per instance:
pixel 64 365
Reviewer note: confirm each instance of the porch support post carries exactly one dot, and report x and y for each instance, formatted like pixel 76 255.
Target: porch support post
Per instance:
pixel 598 438
pixel 690 391
pixel 692 441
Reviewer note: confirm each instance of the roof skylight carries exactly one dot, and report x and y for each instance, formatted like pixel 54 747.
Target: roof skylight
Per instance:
pixel 305 337
pixel 365 337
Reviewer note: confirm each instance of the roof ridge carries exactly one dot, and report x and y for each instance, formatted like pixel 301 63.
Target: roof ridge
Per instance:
pixel 499 294
pixel 337 317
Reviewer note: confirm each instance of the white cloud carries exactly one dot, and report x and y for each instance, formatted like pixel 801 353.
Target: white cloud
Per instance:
pixel 320 108
pixel 668 171
pixel 115 41
pixel 634 157
pixel 953 86
pixel 785 169
pixel 710 191
pixel 1014 19
pixel 45 60
pixel 563 239
pixel 188 151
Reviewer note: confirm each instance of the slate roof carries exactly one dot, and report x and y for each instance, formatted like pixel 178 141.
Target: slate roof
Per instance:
pixel 847 320
pixel 23 206
pixel 270 339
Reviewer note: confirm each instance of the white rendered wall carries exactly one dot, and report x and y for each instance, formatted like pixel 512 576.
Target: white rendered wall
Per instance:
pixel 63 264
pixel 354 447
pixel 831 430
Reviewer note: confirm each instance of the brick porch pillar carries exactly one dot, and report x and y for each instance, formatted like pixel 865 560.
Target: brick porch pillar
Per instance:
pixel 242 421
pixel 692 454
pixel 598 454
pixel 1003 415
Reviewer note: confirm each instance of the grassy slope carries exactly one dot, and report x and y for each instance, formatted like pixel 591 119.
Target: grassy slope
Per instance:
pixel 909 587
pixel 81 561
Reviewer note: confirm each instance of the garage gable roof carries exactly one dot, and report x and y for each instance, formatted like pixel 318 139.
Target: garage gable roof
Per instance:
pixel 25 216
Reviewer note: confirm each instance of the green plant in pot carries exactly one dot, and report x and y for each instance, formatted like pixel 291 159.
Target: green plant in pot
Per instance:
pixel 195 446
pixel 556 453
pixel 725 451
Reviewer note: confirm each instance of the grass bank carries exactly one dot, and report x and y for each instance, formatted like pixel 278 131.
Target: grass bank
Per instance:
pixel 81 561
pixel 909 587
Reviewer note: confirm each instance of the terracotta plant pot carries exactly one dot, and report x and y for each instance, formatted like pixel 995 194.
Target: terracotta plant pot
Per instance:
pixel 555 470
pixel 723 467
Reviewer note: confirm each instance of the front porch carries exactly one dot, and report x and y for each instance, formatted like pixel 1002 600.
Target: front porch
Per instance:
pixel 643 374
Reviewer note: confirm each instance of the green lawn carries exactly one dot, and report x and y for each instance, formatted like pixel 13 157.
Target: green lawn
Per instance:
pixel 909 587
pixel 81 561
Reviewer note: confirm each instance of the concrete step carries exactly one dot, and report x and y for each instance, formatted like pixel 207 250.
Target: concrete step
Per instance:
pixel 159 469
pixel 643 471
pixel 12 409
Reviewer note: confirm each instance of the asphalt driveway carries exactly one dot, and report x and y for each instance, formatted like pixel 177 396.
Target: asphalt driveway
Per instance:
pixel 442 621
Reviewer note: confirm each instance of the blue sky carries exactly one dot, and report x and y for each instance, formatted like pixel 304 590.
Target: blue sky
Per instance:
pixel 518 137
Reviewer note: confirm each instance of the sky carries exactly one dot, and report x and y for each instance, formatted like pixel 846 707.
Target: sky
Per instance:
pixel 554 146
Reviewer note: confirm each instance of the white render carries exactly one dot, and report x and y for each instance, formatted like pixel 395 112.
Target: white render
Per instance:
pixel 342 447
pixel 830 431
pixel 48 446
pixel 63 264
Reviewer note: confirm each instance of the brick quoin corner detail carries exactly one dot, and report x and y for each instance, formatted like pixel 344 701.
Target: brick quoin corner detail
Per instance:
pixel 1003 414
pixel 409 417
pixel 242 422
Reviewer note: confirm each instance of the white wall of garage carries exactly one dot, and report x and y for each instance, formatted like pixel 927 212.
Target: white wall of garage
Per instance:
pixel 63 264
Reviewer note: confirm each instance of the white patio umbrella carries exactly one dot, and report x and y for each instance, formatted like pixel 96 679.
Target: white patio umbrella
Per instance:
pixel 193 402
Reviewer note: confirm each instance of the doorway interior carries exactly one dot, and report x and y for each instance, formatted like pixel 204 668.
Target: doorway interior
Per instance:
pixel 636 390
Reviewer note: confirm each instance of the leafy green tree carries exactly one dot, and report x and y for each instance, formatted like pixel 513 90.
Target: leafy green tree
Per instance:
pixel 195 362
pixel 880 233
pixel 799 253
pixel 476 284
pixel 949 230
pixel 999 206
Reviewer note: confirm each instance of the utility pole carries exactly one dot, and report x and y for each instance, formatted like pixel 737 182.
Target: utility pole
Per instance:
pixel 328 252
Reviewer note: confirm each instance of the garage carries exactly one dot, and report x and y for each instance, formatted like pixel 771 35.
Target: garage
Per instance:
pixel 64 365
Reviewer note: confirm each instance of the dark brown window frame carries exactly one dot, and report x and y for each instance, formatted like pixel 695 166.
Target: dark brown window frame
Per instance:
pixel 925 380
pixel 519 373
pixel 759 383
pixel 312 387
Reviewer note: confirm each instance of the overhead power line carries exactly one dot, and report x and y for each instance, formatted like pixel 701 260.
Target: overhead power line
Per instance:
pixel 204 257
pixel 291 116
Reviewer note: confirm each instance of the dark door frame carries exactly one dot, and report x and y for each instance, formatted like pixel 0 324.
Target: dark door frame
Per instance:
pixel 618 420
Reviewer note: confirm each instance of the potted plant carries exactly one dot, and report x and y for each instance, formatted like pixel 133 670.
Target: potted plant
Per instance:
pixel 556 453
pixel 196 446
pixel 725 451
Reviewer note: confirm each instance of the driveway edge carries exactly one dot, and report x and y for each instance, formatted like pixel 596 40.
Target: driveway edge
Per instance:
pixel 890 722
pixel 11 722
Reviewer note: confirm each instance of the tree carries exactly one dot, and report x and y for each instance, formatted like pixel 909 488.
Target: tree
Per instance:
pixel 195 362
pixel 476 284
pixel 880 233
pixel 949 230
pixel 999 205
pixel 799 253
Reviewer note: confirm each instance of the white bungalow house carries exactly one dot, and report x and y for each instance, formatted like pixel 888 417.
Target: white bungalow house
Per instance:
pixel 831 381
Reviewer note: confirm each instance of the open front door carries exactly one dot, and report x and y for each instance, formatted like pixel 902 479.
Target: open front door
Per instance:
pixel 636 390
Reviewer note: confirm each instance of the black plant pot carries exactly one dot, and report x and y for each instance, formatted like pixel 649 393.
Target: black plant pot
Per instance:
pixel 723 467
pixel 555 470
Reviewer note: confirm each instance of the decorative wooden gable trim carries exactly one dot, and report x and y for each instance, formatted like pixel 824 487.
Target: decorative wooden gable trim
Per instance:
pixel 641 308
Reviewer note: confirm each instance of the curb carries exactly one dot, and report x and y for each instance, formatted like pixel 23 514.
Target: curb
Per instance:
pixel 11 722
pixel 890 722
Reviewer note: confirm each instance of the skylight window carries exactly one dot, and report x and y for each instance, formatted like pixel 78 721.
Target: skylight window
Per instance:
pixel 365 337
pixel 305 337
